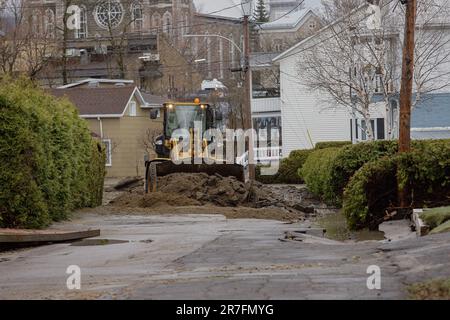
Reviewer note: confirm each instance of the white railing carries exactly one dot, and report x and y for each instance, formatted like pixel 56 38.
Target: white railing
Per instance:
pixel 267 154
pixel 266 105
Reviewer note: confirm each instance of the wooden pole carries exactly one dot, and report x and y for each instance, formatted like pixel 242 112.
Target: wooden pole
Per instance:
pixel 407 87
pixel 247 99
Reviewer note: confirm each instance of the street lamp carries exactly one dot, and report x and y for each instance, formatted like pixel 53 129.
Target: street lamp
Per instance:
pixel 246 7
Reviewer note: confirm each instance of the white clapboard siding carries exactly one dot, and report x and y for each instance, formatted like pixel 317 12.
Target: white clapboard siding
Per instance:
pixel 305 119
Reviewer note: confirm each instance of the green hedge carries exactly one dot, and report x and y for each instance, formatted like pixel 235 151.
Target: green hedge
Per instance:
pixel 425 173
pixel 287 172
pixel 332 144
pixel 352 158
pixel 316 173
pixel 49 163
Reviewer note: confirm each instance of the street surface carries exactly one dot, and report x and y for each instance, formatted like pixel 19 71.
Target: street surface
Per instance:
pixel 210 257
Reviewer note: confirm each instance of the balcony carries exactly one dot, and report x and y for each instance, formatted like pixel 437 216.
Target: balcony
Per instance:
pixel 261 105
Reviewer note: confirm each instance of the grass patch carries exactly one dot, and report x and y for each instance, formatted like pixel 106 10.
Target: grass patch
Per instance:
pixel 445 227
pixel 430 290
pixel 436 217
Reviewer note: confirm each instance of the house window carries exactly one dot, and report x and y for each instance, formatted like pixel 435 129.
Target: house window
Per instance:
pixel 108 149
pixel 133 112
pixel 359 128
pixel 378 83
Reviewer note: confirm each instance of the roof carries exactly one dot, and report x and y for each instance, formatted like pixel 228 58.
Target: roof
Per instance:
pixel 289 51
pixel 222 8
pixel 84 81
pixel 262 59
pixel 93 102
pixel 289 21
pixel 439 17
pixel 212 84
pixel 153 100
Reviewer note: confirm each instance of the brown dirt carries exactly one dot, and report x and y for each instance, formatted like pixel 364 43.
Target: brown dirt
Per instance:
pixel 202 194
pixel 272 213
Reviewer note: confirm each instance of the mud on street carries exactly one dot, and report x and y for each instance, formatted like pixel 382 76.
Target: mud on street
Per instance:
pixel 198 238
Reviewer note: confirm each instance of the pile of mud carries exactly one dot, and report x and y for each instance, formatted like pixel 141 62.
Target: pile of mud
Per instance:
pixel 184 189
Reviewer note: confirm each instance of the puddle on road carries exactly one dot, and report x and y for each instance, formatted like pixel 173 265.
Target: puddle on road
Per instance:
pixel 337 229
pixel 97 242
pixel 104 242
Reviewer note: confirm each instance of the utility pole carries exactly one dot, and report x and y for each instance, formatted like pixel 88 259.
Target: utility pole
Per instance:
pixel 407 77
pixel 247 97
pixel 407 86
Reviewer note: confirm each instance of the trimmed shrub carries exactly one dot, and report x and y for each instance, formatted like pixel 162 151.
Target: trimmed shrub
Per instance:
pixel 332 144
pixel 317 173
pixel 287 172
pixel 371 190
pixel 425 173
pixel 49 164
pixel 352 158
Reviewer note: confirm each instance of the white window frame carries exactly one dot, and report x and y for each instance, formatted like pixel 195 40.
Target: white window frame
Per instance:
pixel 360 127
pixel 108 145
pixel 132 112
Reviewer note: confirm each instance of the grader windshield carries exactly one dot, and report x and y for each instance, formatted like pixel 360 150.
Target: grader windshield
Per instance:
pixel 184 117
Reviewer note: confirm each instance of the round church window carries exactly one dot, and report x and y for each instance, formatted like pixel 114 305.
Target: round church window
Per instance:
pixel 109 14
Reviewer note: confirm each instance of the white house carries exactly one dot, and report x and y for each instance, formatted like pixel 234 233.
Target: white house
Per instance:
pixel 310 116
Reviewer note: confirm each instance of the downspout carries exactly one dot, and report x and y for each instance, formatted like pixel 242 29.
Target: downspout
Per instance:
pixel 101 127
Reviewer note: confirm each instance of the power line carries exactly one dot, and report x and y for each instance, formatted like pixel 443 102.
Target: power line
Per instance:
pixel 281 17
pixel 332 36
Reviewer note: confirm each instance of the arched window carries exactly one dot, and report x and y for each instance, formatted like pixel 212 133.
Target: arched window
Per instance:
pixel 82 32
pixel 209 55
pixel 241 43
pixel 156 22
pixel 186 23
pixel 36 21
pixel 137 16
pixel 221 65
pixel 167 23
pixel 49 23
pixel 232 51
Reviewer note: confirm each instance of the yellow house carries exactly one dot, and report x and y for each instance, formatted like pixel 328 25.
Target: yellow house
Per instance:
pixel 119 115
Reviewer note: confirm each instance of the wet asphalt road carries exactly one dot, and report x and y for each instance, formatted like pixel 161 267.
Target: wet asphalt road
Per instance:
pixel 210 257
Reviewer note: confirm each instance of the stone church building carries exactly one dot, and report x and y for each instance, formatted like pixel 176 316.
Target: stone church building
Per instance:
pixel 142 40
